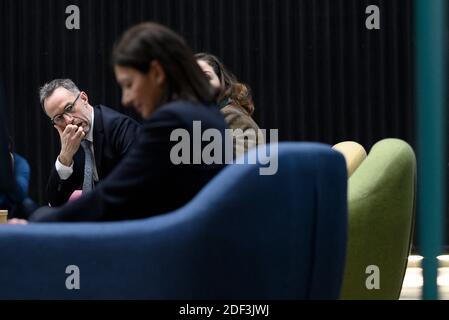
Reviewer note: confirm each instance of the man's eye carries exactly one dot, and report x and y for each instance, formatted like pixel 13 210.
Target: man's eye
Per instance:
pixel 69 108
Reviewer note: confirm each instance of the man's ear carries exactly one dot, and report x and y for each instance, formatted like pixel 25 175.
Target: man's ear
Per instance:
pixel 84 97
pixel 157 72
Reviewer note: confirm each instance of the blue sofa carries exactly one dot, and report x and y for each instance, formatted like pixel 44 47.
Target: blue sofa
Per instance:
pixel 244 236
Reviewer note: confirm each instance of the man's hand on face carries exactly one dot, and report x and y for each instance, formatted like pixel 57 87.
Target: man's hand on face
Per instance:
pixel 71 139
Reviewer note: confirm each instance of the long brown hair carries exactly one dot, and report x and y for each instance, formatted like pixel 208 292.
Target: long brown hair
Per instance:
pixel 238 92
pixel 146 42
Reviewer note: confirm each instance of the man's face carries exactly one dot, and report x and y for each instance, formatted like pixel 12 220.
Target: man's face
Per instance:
pixel 79 115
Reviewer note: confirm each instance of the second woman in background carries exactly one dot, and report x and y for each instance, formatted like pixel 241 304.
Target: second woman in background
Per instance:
pixel 234 101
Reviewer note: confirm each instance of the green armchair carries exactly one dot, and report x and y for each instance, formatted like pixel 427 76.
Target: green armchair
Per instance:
pixel 381 219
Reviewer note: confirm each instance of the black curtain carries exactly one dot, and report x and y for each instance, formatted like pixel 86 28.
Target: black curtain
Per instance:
pixel 316 72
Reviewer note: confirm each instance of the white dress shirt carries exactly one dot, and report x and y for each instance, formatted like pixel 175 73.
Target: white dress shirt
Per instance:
pixel 65 172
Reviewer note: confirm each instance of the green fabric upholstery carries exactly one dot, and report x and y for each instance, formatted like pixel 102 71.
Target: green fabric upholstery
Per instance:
pixel 381 219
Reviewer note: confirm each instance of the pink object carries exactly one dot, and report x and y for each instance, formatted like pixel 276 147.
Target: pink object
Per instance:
pixel 75 195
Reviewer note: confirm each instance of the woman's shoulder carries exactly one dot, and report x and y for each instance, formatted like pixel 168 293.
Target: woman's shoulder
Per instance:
pixel 233 109
pixel 182 113
pixel 237 118
pixel 183 107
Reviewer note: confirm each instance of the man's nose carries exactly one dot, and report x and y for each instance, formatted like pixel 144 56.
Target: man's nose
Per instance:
pixel 68 118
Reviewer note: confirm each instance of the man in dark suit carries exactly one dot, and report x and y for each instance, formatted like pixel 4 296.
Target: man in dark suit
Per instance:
pixel 105 137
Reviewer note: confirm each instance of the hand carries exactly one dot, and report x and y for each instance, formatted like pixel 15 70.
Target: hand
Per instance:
pixel 70 142
pixel 17 221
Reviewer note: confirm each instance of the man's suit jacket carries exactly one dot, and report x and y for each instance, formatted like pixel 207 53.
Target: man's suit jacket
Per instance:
pixel 113 136
pixel 146 182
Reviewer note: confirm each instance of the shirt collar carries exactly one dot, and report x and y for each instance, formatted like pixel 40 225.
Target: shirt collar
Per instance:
pixel 90 134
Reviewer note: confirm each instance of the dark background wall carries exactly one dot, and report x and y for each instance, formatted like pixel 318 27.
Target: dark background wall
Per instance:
pixel 315 70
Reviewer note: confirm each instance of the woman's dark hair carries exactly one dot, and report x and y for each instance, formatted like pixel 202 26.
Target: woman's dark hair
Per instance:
pixel 146 42
pixel 238 92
